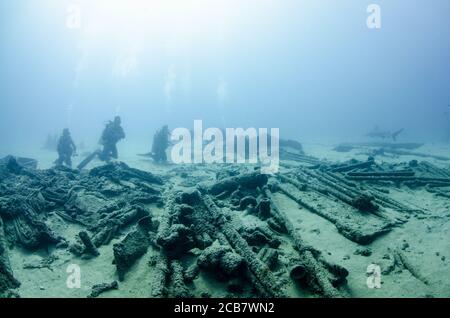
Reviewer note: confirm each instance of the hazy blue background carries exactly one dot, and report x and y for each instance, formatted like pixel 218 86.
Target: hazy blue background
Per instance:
pixel 311 68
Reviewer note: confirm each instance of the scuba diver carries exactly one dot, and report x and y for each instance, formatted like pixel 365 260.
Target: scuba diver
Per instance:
pixel 66 149
pixel 111 135
pixel 160 145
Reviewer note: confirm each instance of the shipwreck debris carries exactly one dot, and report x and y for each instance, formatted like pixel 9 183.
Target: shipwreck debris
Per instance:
pixel 7 279
pixel 89 247
pixel 260 270
pixel 132 247
pixel 234 229
pixel 315 274
pixel 99 289
pixel 401 260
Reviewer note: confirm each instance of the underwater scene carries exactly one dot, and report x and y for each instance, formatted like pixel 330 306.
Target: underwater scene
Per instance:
pixel 224 149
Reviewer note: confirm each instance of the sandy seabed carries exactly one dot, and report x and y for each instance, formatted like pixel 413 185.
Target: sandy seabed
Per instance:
pixel 413 256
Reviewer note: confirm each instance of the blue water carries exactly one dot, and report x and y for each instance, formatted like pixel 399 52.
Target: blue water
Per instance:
pixel 311 68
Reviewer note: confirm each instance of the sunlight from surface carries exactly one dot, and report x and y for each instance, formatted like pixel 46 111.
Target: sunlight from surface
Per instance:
pixel 154 16
pixel 128 28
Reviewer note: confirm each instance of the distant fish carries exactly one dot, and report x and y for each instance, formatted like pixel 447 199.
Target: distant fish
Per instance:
pixel 377 133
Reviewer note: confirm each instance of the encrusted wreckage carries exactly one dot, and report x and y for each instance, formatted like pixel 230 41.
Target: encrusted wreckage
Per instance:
pixel 231 230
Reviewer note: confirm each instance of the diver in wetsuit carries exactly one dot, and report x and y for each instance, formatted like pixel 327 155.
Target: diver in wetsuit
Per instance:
pixel 111 135
pixel 66 149
pixel 160 145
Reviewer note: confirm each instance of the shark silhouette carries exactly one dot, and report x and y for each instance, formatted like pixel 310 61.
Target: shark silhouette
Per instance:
pixel 377 133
